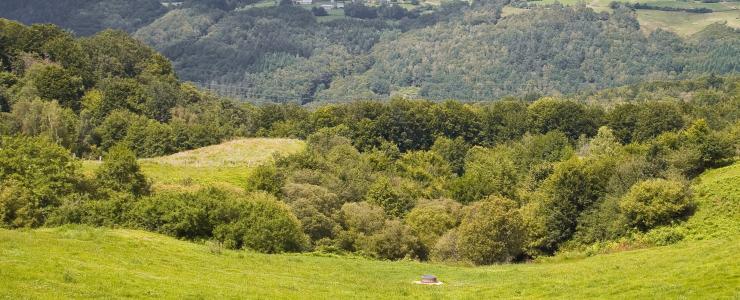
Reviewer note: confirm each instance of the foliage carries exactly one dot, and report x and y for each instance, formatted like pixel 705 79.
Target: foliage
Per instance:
pixel 256 221
pixel 491 231
pixel 284 54
pixel 260 223
pixel 394 241
pixel 120 172
pixel 90 93
pixel 656 202
pixel 265 178
pixel 487 172
pixel 574 186
pixel 363 181
pixel 571 118
pixel 83 16
pixel 35 176
pixel 431 219
pixel 386 194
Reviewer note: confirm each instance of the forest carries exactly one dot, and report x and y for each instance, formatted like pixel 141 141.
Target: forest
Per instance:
pixel 459 50
pixel 478 183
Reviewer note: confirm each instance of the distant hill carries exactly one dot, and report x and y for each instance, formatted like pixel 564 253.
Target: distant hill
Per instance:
pixel 261 52
pixel 285 54
pixel 84 17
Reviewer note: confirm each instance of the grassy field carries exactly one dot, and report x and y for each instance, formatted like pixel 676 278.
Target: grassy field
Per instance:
pixel 682 23
pixel 225 165
pixel 84 262
pixel 717 193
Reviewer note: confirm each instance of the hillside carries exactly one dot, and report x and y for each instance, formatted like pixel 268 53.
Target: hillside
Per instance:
pixel 260 52
pixel 85 17
pixel 681 22
pixel 464 53
pixel 83 262
pixel 227 164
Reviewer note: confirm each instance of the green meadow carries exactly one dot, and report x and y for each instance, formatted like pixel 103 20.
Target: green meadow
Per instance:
pixel 85 262
pixel 226 165
pixel 682 23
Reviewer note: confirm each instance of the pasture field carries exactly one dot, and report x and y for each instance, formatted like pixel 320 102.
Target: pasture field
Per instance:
pixel 682 23
pixel 224 165
pixel 86 262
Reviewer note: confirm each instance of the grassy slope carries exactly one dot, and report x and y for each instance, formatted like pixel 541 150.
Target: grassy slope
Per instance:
pixel 83 262
pixel 226 165
pixel 682 23
pixel 717 193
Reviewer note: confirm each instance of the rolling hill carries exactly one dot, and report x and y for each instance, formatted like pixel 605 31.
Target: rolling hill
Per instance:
pixel 85 262
pixel 226 165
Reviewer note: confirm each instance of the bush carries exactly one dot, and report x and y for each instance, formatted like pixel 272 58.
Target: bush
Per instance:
pixel 431 219
pixel 319 11
pixel 80 209
pixel 487 172
pixel 265 178
pixel 55 83
pixel 362 217
pixel 452 150
pixel 574 186
pixel 571 118
pixel 656 202
pixel 120 172
pixel 446 248
pixel 182 215
pixel 35 177
pixel 359 10
pixel 491 231
pixel 394 201
pixel 700 149
pixel 48 119
pixel 256 221
pixel 427 168
pixel 261 223
pixel 314 206
pixel 394 241
pixel 314 223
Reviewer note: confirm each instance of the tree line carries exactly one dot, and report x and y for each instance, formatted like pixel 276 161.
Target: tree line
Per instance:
pixel 638 5
pixel 447 181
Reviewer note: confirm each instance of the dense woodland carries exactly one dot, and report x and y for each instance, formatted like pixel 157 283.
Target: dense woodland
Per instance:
pixel 479 183
pixel 284 53
pixel 84 17
pixel 458 52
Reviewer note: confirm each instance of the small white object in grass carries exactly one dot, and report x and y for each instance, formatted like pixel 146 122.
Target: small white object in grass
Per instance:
pixel 428 280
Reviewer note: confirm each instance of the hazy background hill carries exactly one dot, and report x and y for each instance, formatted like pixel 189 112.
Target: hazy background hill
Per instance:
pixel 85 17
pixel 264 52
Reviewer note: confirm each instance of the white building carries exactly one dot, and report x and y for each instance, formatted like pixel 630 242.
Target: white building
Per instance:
pixel 171 4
